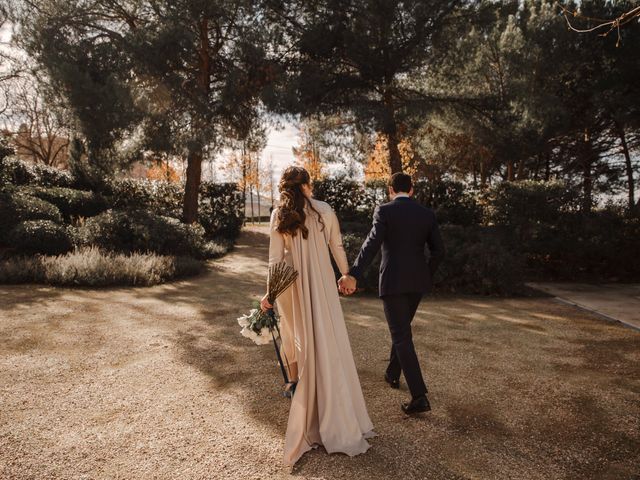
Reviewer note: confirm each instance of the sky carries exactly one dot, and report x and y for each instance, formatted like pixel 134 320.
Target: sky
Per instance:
pixel 279 148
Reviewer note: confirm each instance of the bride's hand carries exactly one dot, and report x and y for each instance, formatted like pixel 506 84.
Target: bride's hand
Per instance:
pixel 264 304
pixel 347 285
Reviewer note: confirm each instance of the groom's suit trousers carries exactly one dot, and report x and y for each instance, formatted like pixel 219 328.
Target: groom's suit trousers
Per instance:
pixel 399 310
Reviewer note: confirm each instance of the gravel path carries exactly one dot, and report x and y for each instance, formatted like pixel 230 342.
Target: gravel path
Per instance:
pixel 157 383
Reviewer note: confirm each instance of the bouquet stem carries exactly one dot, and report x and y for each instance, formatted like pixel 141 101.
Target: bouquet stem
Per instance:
pixel 278 354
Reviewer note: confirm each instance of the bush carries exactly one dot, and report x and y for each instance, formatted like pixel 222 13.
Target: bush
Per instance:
pixel 162 198
pixel 599 246
pixel 95 267
pixel 522 205
pixel 452 202
pixel 354 203
pixel 40 236
pixel 5 151
pixel 142 231
pixel 71 202
pixel 221 210
pixel 16 206
pixel 19 172
pixel 478 262
pixel 347 197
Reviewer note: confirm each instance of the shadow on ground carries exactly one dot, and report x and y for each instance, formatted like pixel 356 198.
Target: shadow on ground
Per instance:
pixel 521 388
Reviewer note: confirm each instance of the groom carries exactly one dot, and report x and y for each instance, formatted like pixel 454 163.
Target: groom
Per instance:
pixel 401 227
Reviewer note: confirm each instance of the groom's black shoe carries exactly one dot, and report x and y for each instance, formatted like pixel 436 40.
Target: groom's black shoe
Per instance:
pixel 392 383
pixel 416 405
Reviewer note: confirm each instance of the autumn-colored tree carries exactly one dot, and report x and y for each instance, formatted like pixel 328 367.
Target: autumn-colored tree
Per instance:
pixel 378 167
pixel 163 171
pixel 268 181
pixel 307 153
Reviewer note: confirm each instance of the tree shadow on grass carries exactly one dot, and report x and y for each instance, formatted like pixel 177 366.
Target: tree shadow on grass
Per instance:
pixel 491 366
pixel 27 295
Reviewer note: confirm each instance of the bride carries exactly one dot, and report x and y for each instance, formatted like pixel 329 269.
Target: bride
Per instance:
pixel 328 407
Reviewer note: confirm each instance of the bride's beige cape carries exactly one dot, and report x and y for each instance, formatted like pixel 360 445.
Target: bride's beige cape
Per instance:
pixel 328 407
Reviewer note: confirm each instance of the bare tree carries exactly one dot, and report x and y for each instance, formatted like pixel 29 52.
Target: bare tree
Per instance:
pixel 43 135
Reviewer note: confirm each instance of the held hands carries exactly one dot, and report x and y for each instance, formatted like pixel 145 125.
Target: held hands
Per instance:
pixel 347 285
pixel 264 304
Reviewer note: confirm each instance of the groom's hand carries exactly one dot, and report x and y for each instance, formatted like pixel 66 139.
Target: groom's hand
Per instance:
pixel 347 284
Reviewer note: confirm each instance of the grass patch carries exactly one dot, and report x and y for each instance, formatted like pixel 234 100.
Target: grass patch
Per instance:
pixel 95 267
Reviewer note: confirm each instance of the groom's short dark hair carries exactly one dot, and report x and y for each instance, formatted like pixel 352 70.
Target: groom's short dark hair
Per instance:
pixel 400 182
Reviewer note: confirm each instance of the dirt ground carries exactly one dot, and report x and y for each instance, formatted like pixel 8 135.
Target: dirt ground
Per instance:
pixel 157 382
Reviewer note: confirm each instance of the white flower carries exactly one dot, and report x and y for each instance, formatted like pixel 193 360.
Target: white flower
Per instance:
pixel 243 321
pixel 249 333
pixel 264 337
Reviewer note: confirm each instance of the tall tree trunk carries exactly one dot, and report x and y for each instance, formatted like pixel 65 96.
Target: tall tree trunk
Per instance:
pixel 587 174
pixel 483 176
pixel 547 166
pixel 253 220
pixel 520 172
pixel 391 131
pixel 194 159
pixel 628 164
pixel 510 171
pixel 536 169
pixel 258 185
pixel 192 186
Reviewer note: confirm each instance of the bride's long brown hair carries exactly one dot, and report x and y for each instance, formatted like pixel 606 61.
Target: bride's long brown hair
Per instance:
pixel 291 214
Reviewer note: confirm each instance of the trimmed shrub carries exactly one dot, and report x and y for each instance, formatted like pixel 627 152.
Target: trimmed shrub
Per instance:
pixel 451 200
pixel 71 202
pixel 600 246
pixel 162 198
pixel 221 210
pixel 353 203
pixel 476 262
pixel 347 197
pixel 142 231
pixel 19 172
pixel 16 206
pixel 40 236
pixel 5 151
pixel 94 267
pixel 522 205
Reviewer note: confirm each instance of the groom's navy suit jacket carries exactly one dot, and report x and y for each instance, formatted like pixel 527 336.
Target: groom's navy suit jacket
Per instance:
pixel 402 228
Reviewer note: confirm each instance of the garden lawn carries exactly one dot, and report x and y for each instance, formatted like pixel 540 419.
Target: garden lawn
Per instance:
pixel 158 383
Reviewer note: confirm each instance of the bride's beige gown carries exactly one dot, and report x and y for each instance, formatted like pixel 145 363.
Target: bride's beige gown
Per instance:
pixel 328 407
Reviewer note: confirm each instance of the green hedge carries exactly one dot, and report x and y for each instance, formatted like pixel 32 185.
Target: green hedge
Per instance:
pixel 452 202
pixel 220 212
pixel 71 203
pixel 17 172
pixel 525 204
pixel 141 231
pixel 40 236
pixel 477 262
pixel 16 206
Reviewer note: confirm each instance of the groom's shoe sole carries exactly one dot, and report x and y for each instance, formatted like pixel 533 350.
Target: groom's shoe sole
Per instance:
pixel 392 383
pixel 412 408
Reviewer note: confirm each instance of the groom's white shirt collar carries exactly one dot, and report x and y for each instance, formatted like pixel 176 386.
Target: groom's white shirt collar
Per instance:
pixel 401 195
